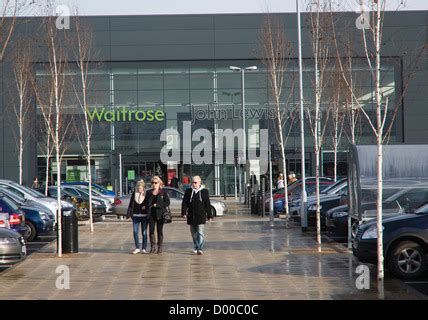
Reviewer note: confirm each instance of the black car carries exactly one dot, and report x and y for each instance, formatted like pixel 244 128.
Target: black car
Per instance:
pixel 405 243
pixel 401 201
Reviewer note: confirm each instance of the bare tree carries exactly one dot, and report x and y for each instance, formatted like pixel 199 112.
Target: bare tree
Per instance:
pixel 84 56
pixel 372 34
pixel 275 54
pixel 22 105
pixel 320 42
pixel 9 11
pixel 337 118
pixel 57 121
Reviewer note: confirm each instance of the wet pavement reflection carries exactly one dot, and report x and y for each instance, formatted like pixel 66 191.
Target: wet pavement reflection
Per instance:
pixel 244 259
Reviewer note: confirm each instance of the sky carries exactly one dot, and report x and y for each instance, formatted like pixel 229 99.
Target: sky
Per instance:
pixel 150 7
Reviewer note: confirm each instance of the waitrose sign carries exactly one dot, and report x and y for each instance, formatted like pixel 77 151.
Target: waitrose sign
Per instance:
pixel 125 114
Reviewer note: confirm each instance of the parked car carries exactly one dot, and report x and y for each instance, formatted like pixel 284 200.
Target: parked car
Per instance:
pixel 80 201
pixel 4 220
pixel 31 194
pixel 12 247
pixel 39 220
pixel 77 191
pixel 16 216
pixel 397 201
pixel 112 199
pixel 405 243
pixel 295 189
pixel 101 189
pixel 218 208
pixel 330 196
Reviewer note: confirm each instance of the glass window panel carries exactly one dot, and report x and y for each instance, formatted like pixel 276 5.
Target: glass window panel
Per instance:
pixel 98 98
pixel 150 97
pixel 202 80
pixel 125 97
pixel 125 82
pixel 255 80
pixel 150 81
pixel 229 96
pixel 176 97
pixel 202 96
pixel 177 81
pixel 99 82
pixel 229 80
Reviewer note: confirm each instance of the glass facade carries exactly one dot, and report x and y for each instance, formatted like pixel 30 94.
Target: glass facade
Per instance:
pixel 131 103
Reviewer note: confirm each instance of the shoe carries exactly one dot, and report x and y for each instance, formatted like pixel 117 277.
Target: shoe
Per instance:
pixel 136 251
pixel 200 252
pixel 144 251
pixel 153 249
pixel 195 251
pixel 159 249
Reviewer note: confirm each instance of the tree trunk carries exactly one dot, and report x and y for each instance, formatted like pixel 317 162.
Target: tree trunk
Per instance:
pixel 91 223
pixel 21 142
pixel 48 147
pixel 58 198
pixel 380 272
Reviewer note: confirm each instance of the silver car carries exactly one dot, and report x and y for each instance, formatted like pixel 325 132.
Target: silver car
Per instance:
pixel 12 247
pixel 218 208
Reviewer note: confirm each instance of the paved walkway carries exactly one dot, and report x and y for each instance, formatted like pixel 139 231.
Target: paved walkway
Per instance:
pixel 244 259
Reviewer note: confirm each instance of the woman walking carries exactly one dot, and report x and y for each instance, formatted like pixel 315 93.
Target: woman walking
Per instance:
pixel 156 202
pixel 137 211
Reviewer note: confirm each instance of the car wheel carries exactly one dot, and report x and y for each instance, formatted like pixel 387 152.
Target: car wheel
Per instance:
pixel 31 232
pixel 213 212
pixel 407 260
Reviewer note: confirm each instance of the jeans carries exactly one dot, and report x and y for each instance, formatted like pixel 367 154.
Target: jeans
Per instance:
pixel 158 225
pixel 136 221
pixel 198 236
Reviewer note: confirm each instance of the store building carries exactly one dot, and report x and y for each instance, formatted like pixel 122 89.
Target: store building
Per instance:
pixel 158 72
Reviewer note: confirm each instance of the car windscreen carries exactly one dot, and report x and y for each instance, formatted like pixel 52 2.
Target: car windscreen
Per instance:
pixel 9 202
pixel 33 192
pixel 16 197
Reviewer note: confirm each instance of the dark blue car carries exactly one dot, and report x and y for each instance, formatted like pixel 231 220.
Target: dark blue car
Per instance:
pixel 39 221
pixel 97 187
pixel 16 215
pixel 405 243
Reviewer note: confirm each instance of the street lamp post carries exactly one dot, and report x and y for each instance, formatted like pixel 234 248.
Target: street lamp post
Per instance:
pixel 242 71
pixel 303 217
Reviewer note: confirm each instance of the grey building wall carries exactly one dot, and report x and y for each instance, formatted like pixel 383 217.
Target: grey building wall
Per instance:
pixel 170 39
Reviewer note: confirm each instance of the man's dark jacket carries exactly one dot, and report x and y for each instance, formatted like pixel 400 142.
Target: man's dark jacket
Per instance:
pixel 197 209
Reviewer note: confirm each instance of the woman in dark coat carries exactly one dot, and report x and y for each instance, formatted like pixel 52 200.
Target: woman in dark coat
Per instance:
pixel 156 202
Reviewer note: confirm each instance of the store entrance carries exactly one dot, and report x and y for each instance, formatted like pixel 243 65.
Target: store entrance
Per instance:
pixel 134 171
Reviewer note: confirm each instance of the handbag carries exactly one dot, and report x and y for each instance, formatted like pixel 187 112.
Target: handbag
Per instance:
pixel 130 210
pixel 166 215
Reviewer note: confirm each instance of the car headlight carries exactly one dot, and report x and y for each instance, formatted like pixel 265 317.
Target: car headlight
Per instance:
pixel 371 233
pixel 44 216
pixel 339 214
pixel 9 240
pixel 313 207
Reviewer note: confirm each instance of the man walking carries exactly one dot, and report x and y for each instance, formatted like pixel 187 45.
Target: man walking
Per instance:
pixel 196 208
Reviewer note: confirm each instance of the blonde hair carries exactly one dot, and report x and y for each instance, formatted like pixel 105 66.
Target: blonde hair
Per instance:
pixel 157 178
pixel 198 178
pixel 140 183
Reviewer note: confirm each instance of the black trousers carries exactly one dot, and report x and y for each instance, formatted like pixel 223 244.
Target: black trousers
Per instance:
pixel 158 225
